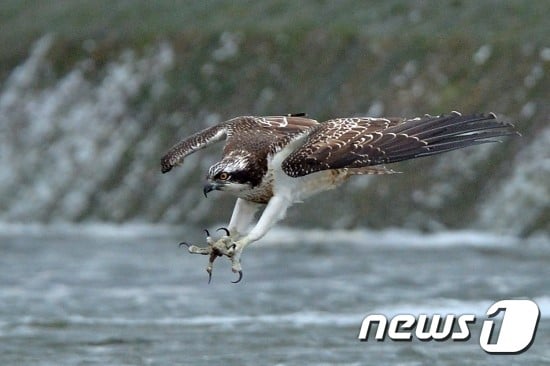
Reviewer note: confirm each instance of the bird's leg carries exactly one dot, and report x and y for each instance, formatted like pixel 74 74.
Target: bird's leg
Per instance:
pixel 233 242
pixel 214 249
pixel 212 246
pixel 242 217
pixel 274 211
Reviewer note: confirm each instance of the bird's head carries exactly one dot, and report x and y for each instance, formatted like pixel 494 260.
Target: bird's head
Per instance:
pixel 232 174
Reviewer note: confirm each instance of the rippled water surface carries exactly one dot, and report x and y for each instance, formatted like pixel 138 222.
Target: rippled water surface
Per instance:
pixel 90 296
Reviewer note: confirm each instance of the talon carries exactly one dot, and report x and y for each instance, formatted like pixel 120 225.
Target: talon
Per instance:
pixel 224 246
pixel 224 229
pixel 240 277
pixel 231 248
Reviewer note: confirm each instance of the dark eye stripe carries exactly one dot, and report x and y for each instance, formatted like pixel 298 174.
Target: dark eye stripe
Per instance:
pixel 242 177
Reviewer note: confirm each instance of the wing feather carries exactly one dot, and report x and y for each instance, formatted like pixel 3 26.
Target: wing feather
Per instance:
pixel 246 133
pixel 189 145
pixel 355 143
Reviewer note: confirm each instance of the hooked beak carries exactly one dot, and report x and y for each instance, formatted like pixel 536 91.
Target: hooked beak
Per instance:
pixel 209 187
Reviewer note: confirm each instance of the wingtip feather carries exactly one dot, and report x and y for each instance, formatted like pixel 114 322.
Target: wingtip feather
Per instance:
pixel 165 165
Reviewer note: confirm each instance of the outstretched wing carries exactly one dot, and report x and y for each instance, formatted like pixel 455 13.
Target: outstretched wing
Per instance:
pixel 361 142
pixel 242 133
pixel 195 142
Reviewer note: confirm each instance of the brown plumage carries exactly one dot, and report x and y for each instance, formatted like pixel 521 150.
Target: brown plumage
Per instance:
pixel 356 142
pixel 363 141
pixel 273 162
pixel 261 135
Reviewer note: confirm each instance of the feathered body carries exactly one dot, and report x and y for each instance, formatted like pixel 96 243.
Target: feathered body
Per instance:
pixel 278 160
pixel 336 149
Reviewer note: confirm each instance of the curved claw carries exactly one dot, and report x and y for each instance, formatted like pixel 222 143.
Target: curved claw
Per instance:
pixel 207 233
pixel 184 243
pixel 240 277
pixel 224 229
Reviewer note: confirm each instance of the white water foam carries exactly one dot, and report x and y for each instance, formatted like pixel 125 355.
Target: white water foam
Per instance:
pixel 392 237
pixel 294 319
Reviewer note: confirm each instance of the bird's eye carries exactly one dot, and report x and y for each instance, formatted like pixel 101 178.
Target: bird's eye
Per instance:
pixel 224 176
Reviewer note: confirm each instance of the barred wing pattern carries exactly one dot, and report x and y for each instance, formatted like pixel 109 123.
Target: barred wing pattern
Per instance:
pixel 187 146
pixel 361 142
pixel 248 133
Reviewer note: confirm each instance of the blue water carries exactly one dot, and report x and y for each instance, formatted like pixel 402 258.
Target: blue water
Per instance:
pixel 87 296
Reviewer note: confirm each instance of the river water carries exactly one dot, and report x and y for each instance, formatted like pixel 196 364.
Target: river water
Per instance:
pixel 108 295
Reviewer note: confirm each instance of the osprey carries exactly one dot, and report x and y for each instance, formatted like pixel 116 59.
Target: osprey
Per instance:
pixel 273 162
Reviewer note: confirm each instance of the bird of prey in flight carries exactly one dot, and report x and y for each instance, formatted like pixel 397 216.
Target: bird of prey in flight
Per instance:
pixel 272 162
